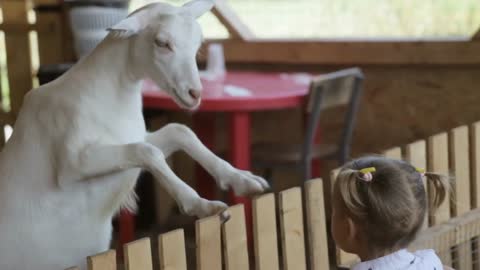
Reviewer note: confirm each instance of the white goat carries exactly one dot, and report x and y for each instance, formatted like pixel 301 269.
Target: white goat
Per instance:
pixel 80 141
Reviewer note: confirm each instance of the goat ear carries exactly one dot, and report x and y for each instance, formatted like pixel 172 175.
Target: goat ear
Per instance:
pixel 126 27
pixel 133 24
pixel 198 7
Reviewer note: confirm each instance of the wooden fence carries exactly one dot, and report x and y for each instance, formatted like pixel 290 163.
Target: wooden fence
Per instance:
pixel 214 238
pixel 453 231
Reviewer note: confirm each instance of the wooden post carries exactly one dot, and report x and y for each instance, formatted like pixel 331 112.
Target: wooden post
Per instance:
pixel 18 52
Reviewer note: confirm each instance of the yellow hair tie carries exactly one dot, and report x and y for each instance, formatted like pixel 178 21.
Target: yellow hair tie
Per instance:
pixel 368 170
pixel 420 170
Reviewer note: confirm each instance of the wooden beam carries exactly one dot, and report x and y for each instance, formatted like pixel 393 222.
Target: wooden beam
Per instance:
pixel 229 18
pixel 476 36
pixel 352 52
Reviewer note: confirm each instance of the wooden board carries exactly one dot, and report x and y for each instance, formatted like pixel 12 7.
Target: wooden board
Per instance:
pixel 265 233
pixel 475 162
pixel 235 240
pixel 394 153
pixel 171 251
pixel 278 51
pixel 18 53
pixel 103 261
pixel 316 225
pixel 292 234
pixel 209 243
pixel 138 255
pixel 416 154
pixel 460 167
pixel 438 162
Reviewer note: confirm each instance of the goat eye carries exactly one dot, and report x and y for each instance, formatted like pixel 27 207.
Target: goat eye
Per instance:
pixel 163 44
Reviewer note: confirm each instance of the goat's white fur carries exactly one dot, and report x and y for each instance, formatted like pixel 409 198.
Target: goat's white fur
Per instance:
pixel 80 141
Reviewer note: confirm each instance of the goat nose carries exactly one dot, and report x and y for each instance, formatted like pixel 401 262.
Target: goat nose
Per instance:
pixel 195 93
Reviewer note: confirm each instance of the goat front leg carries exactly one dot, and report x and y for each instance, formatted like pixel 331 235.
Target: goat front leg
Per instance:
pixel 175 137
pixel 96 160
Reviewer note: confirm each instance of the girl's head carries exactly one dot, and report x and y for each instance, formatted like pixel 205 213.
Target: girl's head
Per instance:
pixel 379 204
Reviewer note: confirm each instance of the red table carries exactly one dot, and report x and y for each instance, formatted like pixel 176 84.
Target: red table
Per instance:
pixel 237 94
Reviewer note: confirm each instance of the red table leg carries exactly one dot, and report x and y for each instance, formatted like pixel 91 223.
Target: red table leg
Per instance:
pixel 240 158
pixel 204 127
pixel 126 228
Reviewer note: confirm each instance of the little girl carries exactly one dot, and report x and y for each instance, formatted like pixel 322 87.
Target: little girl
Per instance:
pixel 379 205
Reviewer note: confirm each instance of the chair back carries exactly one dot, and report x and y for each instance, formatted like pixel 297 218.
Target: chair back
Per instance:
pixel 340 88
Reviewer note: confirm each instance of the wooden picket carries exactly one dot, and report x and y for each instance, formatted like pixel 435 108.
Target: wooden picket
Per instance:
pixel 416 154
pixel 292 233
pixel 265 233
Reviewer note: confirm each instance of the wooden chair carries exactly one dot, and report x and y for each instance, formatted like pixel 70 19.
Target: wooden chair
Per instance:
pixel 341 88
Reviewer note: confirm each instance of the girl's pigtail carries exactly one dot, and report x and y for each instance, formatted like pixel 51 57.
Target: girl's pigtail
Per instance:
pixel 440 187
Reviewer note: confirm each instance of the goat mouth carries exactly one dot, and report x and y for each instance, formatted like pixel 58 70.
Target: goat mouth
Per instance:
pixel 184 103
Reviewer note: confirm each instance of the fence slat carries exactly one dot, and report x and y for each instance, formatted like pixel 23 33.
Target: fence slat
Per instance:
pixel 171 250
pixel 437 161
pixel 19 64
pixel 103 261
pixel 416 154
pixel 209 243
pixel 291 221
pixel 475 165
pixel 344 259
pixel 235 237
pixel 265 233
pixel 395 153
pixel 138 255
pixel 460 166
pixel 316 225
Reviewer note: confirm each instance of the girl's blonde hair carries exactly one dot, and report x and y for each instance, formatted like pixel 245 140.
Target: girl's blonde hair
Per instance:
pixel 391 204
